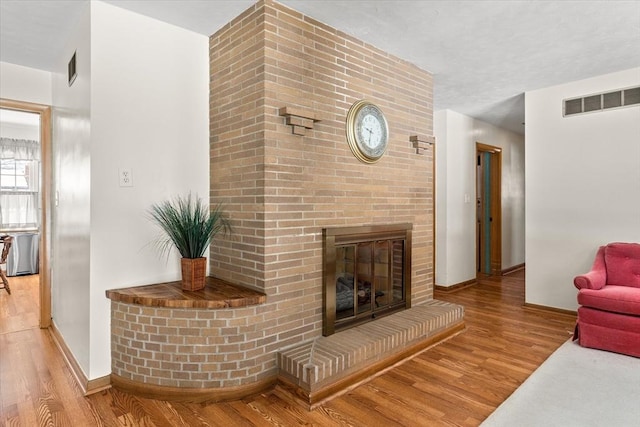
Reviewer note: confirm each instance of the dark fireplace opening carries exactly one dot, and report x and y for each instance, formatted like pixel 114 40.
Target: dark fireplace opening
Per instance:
pixel 367 274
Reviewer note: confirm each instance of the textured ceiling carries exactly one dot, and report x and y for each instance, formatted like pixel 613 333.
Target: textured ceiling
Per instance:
pixel 484 54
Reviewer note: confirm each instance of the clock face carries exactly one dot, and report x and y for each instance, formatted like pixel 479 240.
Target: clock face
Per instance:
pixel 367 131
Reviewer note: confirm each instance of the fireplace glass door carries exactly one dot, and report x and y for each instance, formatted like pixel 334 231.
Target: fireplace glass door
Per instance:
pixel 369 280
pixel 366 274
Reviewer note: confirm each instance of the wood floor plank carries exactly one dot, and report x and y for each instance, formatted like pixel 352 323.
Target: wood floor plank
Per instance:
pixel 263 409
pixel 193 415
pixel 360 412
pixel 21 309
pixel 456 383
pixel 222 416
pixel 389 405
pixel 253 417
pixel 405 396
pixel 164 413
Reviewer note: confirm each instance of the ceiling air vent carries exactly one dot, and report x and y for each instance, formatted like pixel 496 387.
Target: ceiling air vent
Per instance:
pixel 602 101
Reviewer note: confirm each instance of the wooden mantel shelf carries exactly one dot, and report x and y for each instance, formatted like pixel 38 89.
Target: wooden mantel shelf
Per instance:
pixel 216 294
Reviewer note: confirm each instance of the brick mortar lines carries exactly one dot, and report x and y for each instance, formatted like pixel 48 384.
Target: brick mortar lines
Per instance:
pixel 194 353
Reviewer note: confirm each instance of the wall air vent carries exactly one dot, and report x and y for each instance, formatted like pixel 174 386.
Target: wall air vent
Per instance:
pixel 601 101
pixel 612 99
pixel 632 96
pixel 72 72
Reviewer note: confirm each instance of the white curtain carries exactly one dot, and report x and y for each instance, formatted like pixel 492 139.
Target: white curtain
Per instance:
pixel 19 183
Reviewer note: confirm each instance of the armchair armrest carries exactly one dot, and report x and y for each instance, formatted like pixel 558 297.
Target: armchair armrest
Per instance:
pixel 596 278
pixel 591 280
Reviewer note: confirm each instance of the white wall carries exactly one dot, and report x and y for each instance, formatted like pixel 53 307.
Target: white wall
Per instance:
pixel 149 113
pixel 140 101
pixel 25 84
pixel 455 259
pixel 71 216
pixel 582 185
pixel 19 131
pixel 456 138
pixel 441 208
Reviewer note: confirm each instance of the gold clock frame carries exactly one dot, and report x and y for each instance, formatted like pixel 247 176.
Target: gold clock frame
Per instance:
pixel 351 131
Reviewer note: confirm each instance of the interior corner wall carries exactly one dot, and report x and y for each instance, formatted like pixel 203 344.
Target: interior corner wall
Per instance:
pixel 440 132
pixel 70 217
pixel 582 185
pixel 456 138
pixel 149 114
pixel 25 84
pixel 457 150
pixel 140 101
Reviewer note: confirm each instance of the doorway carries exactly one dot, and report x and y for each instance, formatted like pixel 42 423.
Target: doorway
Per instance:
pixel 488 210
pixel 44 112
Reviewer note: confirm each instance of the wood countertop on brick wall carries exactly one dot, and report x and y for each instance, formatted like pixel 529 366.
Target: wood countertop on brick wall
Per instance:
pixel 216 294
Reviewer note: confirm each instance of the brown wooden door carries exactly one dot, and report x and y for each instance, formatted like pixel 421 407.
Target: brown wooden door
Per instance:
pixel 488 209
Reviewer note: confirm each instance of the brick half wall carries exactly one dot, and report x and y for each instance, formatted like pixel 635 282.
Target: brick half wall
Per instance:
pixel 190 348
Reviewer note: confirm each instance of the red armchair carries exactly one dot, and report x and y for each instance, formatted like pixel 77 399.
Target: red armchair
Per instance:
pixel 609 298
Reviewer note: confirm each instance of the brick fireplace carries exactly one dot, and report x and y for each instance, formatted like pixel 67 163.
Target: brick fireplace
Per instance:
pixel 281 86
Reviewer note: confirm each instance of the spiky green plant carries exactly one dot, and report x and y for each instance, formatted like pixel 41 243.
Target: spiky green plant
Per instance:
pixel 188 225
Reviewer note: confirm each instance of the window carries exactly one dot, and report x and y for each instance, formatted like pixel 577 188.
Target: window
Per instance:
pixel 19 170
pixel 19 190
pixel 18 176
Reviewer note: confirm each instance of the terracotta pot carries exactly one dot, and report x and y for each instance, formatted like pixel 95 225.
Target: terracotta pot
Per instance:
pixel 194 273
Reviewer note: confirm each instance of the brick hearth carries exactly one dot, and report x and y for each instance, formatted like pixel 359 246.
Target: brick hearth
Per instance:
pixel 322 367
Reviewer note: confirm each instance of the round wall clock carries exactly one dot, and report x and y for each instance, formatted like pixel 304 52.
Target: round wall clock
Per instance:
pixel 367 131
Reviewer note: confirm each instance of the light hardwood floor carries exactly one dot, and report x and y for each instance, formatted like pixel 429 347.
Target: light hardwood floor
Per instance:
pixel 458 382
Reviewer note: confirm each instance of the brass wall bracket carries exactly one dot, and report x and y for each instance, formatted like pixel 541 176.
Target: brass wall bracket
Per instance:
pixel 421 143
pixel 299 119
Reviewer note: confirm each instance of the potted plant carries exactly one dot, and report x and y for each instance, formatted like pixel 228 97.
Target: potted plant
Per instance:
pixel 189 226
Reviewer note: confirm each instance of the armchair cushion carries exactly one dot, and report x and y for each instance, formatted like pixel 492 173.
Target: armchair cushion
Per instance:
pixel 616 299
pixel 623 264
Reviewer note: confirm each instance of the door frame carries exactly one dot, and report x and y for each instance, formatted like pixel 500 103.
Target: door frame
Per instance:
pixel 495 208
pixel 45 201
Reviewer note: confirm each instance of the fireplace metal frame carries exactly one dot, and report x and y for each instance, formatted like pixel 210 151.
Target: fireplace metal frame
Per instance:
pixel 333 237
